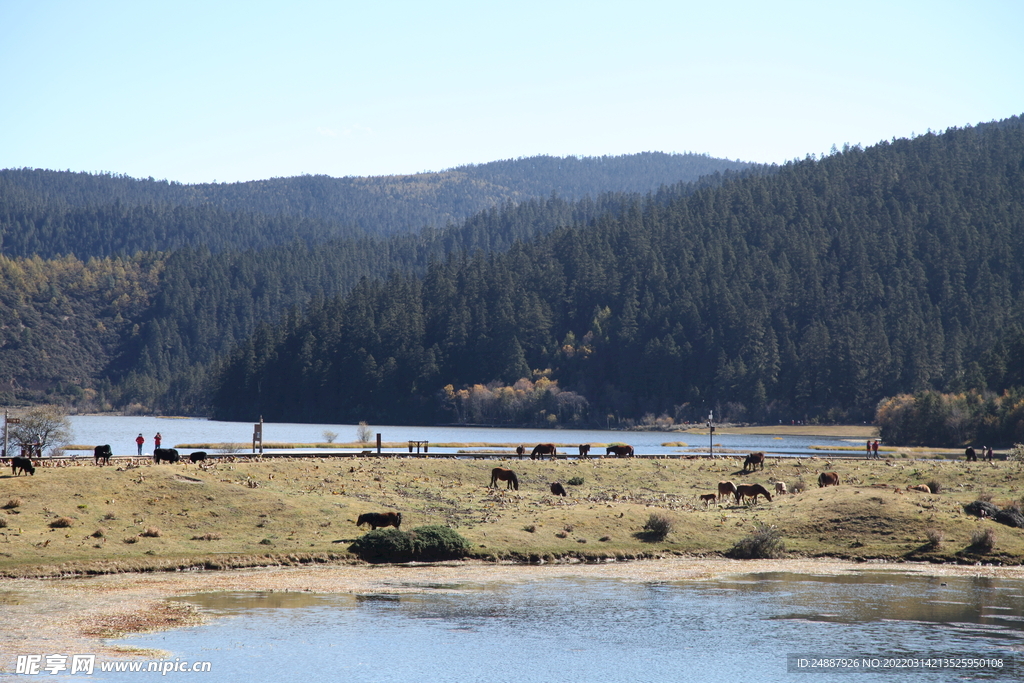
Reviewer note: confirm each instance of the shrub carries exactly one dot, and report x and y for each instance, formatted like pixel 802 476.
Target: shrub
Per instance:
pixel 3 522
pixel 657 527
pixel 12 503
pixel 61 523
pixel 1016 454
pixel 132 539
pixel 982 541
pixel 99 533
pixel 426 544
pixel 383 545
pixel 575 481
pixel 764 543
pixel 935 486
pixel 207 537
pixel 935 537
pixel 151 532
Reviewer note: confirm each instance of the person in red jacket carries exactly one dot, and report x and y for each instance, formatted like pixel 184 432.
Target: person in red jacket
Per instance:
pixel 156 440
pixel 139 440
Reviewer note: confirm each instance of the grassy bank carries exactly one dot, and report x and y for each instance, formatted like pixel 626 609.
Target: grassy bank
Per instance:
pixel 87 518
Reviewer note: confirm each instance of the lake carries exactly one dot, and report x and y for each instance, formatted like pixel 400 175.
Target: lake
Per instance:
pixel 746 627
pixel 120 433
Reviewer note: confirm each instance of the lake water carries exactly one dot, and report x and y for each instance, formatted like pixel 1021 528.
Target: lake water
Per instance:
pixel 120 433
pixel 749 627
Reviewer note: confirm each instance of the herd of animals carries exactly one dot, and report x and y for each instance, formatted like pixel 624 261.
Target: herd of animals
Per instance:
pixel 753 462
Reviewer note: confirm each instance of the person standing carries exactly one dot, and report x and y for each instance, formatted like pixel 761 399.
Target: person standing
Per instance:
pixel 869 448
pixel 139 440
pixel 156 440
pixel 874 448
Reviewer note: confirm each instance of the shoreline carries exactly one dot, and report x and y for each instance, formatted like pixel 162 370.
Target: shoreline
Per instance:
pixel 80 615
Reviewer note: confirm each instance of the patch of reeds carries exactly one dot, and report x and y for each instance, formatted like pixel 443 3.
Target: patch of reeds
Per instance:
pixel 657 527
pixel 61 523
pixel 12 503
pixel 151 532
pixel 982 541
pixel 207 537
pixel 935 538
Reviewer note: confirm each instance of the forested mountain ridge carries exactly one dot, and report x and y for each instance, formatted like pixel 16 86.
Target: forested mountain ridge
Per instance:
pixel 810 293
pixel 50 213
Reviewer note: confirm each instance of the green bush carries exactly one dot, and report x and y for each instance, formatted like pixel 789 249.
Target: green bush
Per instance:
pixel 423 544
pixel 576 481
pixel 658 526
pixel 764 543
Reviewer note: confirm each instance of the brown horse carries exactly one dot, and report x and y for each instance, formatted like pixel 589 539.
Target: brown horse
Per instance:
pixel 543 449
pixel 751 491
pixel 507 476
pixel 753 460
pixel 619 451
pixel 382 519
pixel 584 450
pixel 708 498
pixel 828 479
pixel 726 489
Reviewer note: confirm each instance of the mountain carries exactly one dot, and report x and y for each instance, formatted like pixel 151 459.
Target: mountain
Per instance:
pixel 811 292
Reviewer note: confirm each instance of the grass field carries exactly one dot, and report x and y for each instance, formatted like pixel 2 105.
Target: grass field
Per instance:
pixel 248 513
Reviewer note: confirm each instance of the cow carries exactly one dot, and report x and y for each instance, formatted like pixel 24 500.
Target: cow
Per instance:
pixel 102 453
pixel 780 487
pixel 24 464
pixel 828 479
pixel 753 460
pixel 168 454
pixel 726 489
pixel 197 456
pixel 584 450
pixel 557 489
pixel 971 454
pixel 382 519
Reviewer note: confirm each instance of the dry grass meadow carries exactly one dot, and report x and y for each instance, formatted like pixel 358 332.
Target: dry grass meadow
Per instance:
pixel 88 519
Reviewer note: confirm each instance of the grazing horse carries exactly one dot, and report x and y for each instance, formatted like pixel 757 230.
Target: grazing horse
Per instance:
pixel 708 498
pixel 102 453
pixel 751 491
pixel 726 489
pixel 557 489
pixel 584 450
pixel 382 519
pixel 619 451
pixel 828 479
pixel 971 455
pixel 507 476
pixel 520 450
pixel 753 460
pixel 543 449
pixel 780 487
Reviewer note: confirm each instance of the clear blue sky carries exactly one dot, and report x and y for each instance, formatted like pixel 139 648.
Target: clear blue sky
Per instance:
pixel 228 91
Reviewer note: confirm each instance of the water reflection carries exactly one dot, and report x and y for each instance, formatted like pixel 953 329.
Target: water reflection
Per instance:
pixel 607 630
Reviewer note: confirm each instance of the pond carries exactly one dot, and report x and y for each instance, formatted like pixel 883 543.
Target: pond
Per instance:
pixel 770 626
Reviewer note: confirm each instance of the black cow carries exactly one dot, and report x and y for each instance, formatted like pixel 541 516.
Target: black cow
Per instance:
pixel 557 489
pixel 168 454
pixel 198 456
pixel 102 453
pixel 23 464
pixel 971 454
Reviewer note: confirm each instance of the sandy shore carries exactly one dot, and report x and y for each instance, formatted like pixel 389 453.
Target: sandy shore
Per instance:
pixel 77 615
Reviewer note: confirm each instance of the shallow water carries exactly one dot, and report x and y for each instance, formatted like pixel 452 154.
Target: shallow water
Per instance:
pixel 120 433
pixel 743 628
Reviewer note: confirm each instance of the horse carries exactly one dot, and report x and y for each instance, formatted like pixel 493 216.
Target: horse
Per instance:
pixel 543 449
pixel 382 519
pixel 923 488
pixel 726 489
pixel 751 491
pixel 507 476
pixel 970 453
pixel 520 450
pixel 828 479
pixel 557 489
pixel 780 487
pixel 619 451
pixel 753 460
pixel 708 498
pixel 584 450
pixel 102 453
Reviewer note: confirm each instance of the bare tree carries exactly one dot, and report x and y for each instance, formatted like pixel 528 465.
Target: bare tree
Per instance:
pixel 46 427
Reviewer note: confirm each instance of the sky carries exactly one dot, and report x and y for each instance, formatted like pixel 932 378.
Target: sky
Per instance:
pixel 233 91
